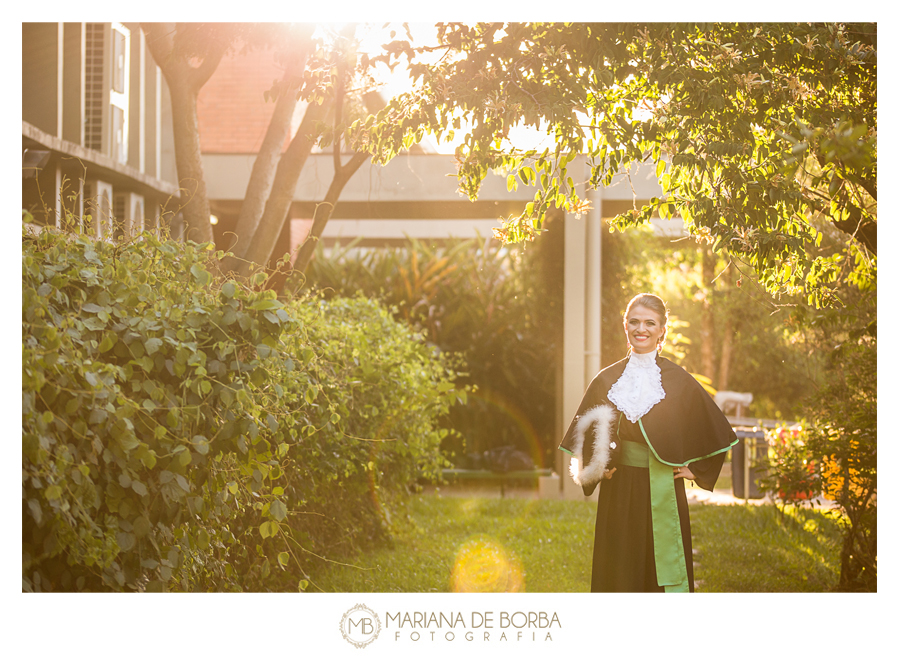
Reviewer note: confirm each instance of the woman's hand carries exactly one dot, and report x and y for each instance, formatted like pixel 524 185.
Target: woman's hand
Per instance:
pixel 683 472
pixel 608 474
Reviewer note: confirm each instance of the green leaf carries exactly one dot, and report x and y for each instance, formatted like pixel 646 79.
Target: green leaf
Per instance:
pixel 182 482
pixel 268 529
pixel 184 458
pixel 141 527
pixel 109 341
pixel 283 558
pixel 278 510
pixel 125 540
pixel 127 440
pixel 266 305
pixel 94 324
pixel 147 457
pixel 200 275
pixel 201 444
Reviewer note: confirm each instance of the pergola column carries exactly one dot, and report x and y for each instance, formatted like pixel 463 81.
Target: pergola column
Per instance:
pixel 581 321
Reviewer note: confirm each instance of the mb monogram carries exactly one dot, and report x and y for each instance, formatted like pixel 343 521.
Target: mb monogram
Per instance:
pixel 360 626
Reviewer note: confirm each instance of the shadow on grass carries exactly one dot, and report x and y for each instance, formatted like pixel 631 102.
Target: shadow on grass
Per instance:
pixel 754 548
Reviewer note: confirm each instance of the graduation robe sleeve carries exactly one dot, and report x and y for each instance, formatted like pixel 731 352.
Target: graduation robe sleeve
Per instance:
pixel 590 434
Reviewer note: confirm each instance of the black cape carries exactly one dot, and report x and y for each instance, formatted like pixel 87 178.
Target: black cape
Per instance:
pixel 685 428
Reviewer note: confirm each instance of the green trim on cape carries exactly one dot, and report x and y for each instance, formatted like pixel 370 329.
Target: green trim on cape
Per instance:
pixel 689 461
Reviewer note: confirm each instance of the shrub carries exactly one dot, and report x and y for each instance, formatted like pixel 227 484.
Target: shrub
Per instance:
pixel 185 433
pixel 483 302
pixel 792 476
pixel 373 428
pixel 837 456
pixel 844 440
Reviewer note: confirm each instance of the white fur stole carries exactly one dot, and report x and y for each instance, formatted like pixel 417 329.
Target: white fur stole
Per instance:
pixel 590 474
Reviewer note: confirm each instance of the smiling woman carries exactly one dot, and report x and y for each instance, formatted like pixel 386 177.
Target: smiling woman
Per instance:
pixel 645 324
pixel 653 427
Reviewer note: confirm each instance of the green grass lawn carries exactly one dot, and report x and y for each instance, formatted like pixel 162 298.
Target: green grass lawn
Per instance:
pixel 753 549
pixel 490 544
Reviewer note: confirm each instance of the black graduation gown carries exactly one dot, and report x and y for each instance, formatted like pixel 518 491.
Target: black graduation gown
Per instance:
pixel 685 428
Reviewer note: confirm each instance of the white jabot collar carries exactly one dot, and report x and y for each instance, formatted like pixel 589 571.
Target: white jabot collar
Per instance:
pixel 639 388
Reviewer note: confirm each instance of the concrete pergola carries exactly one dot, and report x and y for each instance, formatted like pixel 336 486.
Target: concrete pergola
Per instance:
pixel 417 196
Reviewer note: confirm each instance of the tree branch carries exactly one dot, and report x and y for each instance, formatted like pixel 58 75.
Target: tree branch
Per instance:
pixel 870 186
pixel 866 232
pixel 161 42
pixel 202 73
pixel 338 114
pixel 323 213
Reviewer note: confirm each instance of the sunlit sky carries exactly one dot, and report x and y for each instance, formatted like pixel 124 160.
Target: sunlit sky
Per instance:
pixel 373 35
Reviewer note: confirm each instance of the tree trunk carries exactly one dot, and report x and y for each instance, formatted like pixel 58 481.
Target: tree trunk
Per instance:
pixel 189 163
pixel 265 165
pixel 707 322
pixel 184 77
pixel 282 193
pixel 725 360
pixel 263 174
pixel 727 336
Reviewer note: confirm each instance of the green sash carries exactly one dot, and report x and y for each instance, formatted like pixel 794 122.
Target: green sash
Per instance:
pixel 668 547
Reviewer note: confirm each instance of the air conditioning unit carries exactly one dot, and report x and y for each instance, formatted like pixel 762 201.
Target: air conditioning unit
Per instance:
pixel 128 211
pixel 106 88
pixel 98 203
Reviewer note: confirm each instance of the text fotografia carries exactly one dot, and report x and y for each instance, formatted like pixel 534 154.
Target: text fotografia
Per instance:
pixel 479 626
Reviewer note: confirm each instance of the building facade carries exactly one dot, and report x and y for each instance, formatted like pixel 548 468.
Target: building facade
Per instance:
pixel 97 143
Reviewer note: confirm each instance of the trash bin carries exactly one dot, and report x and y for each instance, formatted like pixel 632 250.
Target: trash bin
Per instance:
pixel 751 443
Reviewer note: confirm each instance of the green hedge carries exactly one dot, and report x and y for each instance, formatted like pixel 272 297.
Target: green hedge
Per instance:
pixel 180 432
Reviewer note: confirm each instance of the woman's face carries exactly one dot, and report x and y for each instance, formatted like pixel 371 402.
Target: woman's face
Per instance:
pixel 643 329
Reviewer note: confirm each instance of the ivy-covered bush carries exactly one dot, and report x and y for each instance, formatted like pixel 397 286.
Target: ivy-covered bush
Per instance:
pixel 185 433
pixel 372 430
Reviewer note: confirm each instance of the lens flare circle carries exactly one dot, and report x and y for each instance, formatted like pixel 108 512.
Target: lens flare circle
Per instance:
pixel 484 565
